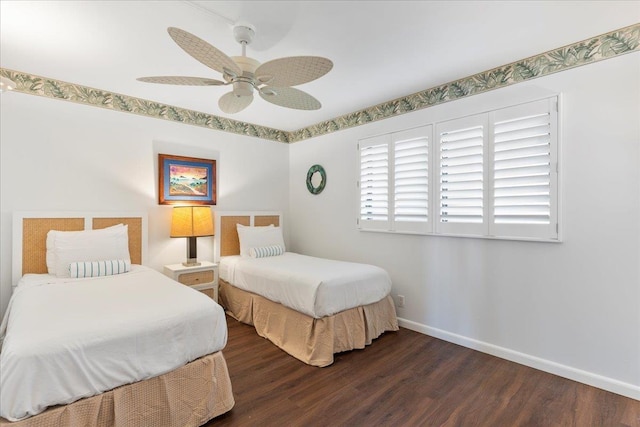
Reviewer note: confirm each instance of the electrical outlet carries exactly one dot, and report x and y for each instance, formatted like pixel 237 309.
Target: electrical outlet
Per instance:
pixel 400 301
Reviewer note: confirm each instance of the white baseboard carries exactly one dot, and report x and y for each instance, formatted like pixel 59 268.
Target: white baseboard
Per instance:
pixel 595 380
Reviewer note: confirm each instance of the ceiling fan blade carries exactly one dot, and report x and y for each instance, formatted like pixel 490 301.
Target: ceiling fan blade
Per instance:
pixel 289 97
pixel 182 80
pixel 203 51
pixel 230 103
pixel 293 70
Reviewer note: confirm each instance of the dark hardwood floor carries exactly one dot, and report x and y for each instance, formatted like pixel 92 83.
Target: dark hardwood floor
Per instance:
pixel 406 379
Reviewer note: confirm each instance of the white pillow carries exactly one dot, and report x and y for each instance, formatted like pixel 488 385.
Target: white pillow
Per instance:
pixel 266 251
pixel 65 247
pixel 255 237
pixel 51 239
pixel 99 268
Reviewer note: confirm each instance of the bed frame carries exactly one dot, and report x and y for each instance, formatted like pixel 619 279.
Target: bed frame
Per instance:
pixel 226 242
pixel 188 396
pixel 30 235
pixel 312 341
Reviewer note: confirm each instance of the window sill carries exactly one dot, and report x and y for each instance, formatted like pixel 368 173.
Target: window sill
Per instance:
pixel 467 236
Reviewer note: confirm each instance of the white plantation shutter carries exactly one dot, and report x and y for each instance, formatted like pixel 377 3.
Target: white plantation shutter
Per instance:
pixel 490 175
pixel 411 179
pixel 524 170
pixel 394 181
pixel 461 175
pixel 374 182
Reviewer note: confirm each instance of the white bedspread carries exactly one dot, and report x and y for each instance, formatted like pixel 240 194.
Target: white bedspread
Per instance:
pixel 317 287
pixel 71 338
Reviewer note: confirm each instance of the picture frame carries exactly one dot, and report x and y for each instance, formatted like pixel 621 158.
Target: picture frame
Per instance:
pixel 186 180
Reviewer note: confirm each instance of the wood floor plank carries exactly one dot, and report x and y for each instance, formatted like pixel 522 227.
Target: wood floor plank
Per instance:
pixel 406 379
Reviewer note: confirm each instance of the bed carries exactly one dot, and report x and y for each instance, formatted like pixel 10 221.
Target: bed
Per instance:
pixel 307 323
pixel 134 348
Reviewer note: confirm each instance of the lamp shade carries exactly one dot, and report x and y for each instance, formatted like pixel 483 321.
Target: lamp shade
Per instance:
pixel 191 221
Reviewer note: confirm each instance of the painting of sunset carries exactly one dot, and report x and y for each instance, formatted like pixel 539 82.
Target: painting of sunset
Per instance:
pixel 187 180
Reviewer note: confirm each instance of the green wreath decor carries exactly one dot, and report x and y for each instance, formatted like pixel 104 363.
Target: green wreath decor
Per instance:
pixel 323 179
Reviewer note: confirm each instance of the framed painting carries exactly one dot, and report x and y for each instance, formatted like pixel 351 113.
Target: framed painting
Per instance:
pixel 186 180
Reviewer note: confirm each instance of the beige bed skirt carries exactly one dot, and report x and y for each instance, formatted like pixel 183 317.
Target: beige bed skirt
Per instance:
pixel 313 341
pixel 189 396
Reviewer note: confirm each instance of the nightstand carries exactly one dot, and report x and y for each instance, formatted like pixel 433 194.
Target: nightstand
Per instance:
pixel 203 277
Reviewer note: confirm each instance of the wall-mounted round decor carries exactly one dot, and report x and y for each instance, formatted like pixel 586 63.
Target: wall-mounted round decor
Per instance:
pixel 316 179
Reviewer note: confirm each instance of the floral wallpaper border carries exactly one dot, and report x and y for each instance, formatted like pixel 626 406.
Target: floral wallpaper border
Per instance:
pixel 50 88
pixel 605 46
pixel 609 45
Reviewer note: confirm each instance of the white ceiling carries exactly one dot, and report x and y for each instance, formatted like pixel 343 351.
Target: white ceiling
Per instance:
pixel 381 49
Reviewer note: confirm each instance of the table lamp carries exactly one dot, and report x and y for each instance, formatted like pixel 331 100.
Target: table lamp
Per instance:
pixel 191 222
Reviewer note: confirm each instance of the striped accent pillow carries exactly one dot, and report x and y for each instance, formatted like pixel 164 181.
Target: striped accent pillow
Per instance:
pixel 265 251
pixel 99 268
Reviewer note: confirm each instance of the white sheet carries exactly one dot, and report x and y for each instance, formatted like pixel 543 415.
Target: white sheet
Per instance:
pixel 317 287
pixel 71 338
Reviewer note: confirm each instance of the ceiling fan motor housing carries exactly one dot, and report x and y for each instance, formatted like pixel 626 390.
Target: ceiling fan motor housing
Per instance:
pixel 244 85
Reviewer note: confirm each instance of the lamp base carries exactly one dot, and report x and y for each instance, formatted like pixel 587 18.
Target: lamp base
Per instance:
pixel 192 257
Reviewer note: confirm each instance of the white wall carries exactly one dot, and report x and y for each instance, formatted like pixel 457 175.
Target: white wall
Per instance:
pixel 571 308
pixel 57 156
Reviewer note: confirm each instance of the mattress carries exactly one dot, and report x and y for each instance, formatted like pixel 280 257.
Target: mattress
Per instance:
pixel 317 287
pixel 66 339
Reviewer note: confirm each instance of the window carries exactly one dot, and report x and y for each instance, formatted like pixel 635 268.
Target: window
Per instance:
pixel 394 181
pixel 411 179
pixel 493 174
pixel 374 183
pixel 461 171
pixel 525 171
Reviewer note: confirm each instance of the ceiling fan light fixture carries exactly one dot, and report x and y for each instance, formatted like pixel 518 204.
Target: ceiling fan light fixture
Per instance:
pixel 242 89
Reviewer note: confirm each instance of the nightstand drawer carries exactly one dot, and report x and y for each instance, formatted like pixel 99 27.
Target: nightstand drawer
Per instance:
pixel 203 277
pixel 196 278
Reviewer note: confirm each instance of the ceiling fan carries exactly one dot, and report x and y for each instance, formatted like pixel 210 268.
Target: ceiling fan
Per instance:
pixel 272 80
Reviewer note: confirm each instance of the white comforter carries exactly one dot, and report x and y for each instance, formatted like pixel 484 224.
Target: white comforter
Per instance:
pixel 317 287
pixel 71 338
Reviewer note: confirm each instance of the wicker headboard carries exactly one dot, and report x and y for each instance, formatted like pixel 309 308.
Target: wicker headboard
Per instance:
pixel 227 242
pixel 30 235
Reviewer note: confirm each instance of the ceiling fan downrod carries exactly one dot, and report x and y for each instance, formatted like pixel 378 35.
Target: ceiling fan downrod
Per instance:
pixel 244 34
pixel 243 85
